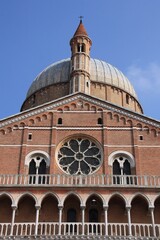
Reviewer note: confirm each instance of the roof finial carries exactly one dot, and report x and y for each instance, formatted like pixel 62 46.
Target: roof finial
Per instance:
pixel 81 18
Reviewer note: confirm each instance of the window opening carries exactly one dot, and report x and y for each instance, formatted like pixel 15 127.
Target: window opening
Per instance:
pixel 100 121
pixel 76 83
pixel 93 218
pixel 30 136
pixel 127 99
pixel 121 167
pixel 32 170
pixel 141 138
pixel 93 215
pixel 71 217
pixel 59 120
pixel 81 47
pixel 116 168
pixel 32 167
pixel 37 168
pixel 79 156
pixel 126 168
pixel 116 171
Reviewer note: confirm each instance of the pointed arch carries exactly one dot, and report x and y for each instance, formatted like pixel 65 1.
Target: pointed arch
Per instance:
pixel 156 206
pixel 139 194
pixel 72 211
pixel 140 205
pixel 27 194
pixel 95 208
pixel 5 208
pixel 72 194
pixel 98 196
pixel 26 208
pixel 49 194
pixel 155 198
pixel 49 208
pixel 118 194
pixel 34 153
pixel 115 154
pixel 117 208
pixel 10 196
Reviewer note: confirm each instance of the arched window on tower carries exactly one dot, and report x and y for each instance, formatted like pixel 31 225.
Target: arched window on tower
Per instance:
pixel 81 47
pixel 127 98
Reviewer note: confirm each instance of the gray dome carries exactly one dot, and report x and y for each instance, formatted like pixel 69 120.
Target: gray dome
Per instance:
pixel 100 71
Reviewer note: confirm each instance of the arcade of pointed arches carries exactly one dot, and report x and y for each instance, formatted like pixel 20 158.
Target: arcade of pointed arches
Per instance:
pixel 51 207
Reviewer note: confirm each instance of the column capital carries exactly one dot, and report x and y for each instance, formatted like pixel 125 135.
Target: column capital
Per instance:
pixel 14 207
pixel 151 208
pixel 128 207
pixel 105 207
pixel 60 207
pixel 83 207
pixel 37 207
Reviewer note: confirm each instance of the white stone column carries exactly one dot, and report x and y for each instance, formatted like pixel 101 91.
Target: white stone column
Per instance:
pixel 37 219
pixel 83 218
pixel 60 219
pixel 13 218
pixel 153 220
pixel 36 180
pixel 106 219
pixel 129 220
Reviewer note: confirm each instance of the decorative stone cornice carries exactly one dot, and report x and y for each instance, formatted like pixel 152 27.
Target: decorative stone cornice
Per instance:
pixel 74 97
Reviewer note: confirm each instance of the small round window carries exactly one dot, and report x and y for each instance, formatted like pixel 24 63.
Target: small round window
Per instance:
pixel 79 156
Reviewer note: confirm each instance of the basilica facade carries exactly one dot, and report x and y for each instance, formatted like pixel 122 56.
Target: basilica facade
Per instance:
pixel 80 160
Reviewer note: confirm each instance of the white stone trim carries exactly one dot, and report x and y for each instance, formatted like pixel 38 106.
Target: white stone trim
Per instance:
pixel 37 152
pixel 77 128
pixel 73 97
pixel 115 154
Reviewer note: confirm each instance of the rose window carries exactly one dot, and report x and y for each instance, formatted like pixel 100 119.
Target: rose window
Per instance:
pixel 79 156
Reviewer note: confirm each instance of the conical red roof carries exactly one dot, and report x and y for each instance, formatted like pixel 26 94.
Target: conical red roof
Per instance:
pixel 80 30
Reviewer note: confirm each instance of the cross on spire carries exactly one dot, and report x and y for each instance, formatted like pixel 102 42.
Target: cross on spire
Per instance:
pixel 81 17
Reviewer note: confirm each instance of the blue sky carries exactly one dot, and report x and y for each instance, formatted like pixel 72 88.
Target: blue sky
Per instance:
pixel 36 33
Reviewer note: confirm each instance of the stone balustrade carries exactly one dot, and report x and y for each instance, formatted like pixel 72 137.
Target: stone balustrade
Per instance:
pixel 58 180
pixel 76 229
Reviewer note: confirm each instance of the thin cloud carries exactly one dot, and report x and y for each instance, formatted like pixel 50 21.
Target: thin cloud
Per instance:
pixel 146 82
pixel 146 79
